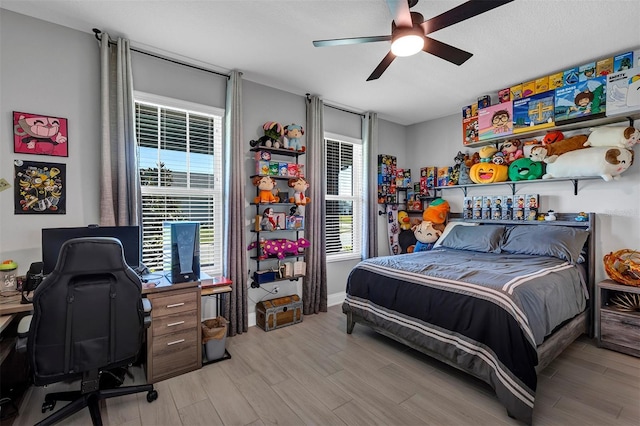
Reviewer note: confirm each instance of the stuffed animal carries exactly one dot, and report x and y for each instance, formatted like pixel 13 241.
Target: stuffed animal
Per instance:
pixel 623 137
pixel 268 222
pixel 552 137
pixel 549 153
pixel 437 211
pixel 606 162
pixel 299 185
pixel 265 184
pixel 281 247
pixel 293 133
pixel 455 172
pixel 486 152
pixel 272 137
pixel 469 160
pixel 512 150
pixel 427 233
pixel 488 172
pixel 404 220
pixel 525 169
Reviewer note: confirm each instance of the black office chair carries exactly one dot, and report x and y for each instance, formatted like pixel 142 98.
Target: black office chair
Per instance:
pixel 88 318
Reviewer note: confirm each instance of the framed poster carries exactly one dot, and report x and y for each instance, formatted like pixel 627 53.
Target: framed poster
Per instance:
pixel 39 187
pixel 39 134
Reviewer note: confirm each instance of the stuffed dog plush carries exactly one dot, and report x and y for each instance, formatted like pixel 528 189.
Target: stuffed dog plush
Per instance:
pixel 606 162
pixel 623 137
pixel 550 152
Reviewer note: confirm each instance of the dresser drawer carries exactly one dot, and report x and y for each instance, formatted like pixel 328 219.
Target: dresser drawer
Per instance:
pixel 620 328
pixel 174 343
pixel 175 322
pixel 174 303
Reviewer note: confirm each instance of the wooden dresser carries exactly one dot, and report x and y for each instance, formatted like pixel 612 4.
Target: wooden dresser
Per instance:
pixel 174 340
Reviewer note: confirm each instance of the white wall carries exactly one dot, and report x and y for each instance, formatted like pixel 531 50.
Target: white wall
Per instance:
pixel 616 203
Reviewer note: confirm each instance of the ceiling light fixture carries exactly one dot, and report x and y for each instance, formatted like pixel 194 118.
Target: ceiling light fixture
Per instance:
pixel 407 41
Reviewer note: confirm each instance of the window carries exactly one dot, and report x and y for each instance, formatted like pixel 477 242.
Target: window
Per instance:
pixel 344 197
pixel 180 165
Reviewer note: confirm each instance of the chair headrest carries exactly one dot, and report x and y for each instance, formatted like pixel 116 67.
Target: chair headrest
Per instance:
pixel 91 254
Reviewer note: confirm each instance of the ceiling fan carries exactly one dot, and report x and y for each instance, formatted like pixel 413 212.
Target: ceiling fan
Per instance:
pixel 409 32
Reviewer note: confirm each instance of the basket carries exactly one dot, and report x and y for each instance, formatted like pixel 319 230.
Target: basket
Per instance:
pixel 623 266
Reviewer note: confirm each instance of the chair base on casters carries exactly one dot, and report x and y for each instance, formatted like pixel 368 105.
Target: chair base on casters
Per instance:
pixel 91 399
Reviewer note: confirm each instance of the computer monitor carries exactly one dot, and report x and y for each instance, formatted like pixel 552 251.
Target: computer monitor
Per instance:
pixel 53 238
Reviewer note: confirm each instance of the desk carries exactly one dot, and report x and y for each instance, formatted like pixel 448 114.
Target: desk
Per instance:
pixel 217 291
pixel 10 307
pixel 174 340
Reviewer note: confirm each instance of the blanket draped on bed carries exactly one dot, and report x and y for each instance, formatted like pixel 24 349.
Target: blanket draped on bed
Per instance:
pixel 484 312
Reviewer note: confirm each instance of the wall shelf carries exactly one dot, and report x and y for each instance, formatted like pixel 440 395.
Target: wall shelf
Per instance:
pixel 581 123
pixel 278 151
pixel 514 184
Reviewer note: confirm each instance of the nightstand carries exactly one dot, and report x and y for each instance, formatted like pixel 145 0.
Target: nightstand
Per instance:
pixel 616 329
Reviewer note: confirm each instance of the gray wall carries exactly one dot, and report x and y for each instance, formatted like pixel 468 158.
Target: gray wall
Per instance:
pixel 70 88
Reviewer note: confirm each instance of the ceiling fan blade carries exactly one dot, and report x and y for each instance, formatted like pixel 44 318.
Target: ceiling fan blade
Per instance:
pixel 460 13
pixel 399 9
pixel 350 40
pixel 382 66
pixel 446 51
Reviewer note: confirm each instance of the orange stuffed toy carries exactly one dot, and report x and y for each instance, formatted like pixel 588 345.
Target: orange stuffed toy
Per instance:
pixel 265 184
pixel 437 212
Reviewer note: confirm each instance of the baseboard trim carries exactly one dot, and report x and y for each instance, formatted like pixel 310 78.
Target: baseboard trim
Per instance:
pixel 332 300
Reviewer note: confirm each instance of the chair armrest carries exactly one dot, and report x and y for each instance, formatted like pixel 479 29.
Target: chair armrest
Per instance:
pixel 146 305
pixel 23 334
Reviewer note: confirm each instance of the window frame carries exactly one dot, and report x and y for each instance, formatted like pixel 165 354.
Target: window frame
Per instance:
pixel 358 198
pixel 217 192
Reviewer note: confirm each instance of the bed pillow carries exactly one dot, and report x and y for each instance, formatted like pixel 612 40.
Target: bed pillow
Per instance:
pixel 448 229
pixel 485 238
pixel 563 242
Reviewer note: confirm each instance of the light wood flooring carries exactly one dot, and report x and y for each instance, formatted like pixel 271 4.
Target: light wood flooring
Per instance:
pixel 314 373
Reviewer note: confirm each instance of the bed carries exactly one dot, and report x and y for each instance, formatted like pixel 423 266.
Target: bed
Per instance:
pixel 499 300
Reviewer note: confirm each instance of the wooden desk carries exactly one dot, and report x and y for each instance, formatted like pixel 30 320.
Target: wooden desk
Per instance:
pixel 11 304
pixel 174 340
pixel 217 291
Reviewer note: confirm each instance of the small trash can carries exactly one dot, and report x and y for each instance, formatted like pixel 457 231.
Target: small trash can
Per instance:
pixel 214 337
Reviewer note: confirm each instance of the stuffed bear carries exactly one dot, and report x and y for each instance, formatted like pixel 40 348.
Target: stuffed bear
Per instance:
pixel 293 133
pixel 550 152
pixel 299 185
pixel 265 184
pixel 427 233
pixel 623 137
pixel 272 138
pixel 606 162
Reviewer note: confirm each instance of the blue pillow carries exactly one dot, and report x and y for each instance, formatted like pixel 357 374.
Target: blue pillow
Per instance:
pixel 563 242
pixel 484 238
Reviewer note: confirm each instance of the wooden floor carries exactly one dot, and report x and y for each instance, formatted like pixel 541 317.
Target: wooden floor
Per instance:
pixel 314 373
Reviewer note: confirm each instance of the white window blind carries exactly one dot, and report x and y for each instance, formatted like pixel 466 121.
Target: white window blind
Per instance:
pixel 180 165
pixel 344 197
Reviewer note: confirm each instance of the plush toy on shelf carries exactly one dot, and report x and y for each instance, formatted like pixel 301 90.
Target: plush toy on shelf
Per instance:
pixel 265 184
pixel 281 247
pixel 299 185
pixel 512 150
pixel 550 152
pixel 467 162
pixel 525 169
pixel 552 137
pixel 603 161
pixel 292 134
pixel 622 137
pixel 437 212
pixel 268 222
pixel 272 137
pixel 454 177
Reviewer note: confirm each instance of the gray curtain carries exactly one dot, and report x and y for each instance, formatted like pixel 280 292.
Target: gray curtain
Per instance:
pixel 314 288
pixel 370 141
pixel 235 259
pixel 120 199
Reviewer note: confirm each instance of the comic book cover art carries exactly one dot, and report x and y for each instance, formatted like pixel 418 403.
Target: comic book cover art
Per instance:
pixel 496 120
pixel 39 134
pixel 623 62
pixel 623 91
pixel 470 130
pixel 586 71
pixel 533 112
pixel 583 99
pixel 39 187
pixel 604 66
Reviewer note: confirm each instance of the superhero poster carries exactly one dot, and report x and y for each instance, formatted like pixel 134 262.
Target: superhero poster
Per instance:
pixel 39 188
pixel 39 134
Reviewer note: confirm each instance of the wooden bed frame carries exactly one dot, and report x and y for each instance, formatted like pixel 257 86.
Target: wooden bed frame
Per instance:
pixel 563 336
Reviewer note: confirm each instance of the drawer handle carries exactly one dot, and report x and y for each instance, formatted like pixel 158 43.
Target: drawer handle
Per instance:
pixel 176 342
pixel 175 305
pixel 173 324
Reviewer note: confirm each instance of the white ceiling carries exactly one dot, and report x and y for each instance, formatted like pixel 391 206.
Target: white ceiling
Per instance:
pixel 270 41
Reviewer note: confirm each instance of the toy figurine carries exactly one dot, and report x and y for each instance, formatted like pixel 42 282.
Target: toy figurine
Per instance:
pixel 293 133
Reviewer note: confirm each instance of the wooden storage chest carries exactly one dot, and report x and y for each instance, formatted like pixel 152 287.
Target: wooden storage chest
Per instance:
pixel 279 312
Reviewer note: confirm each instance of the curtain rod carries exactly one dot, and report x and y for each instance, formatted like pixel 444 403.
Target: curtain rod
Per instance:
pixel 98 36
pixel 336 107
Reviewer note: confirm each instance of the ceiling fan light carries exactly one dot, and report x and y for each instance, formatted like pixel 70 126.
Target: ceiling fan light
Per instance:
pixel 407 42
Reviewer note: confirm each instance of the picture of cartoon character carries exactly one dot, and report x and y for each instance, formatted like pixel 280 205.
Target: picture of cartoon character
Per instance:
pixel 39 187
pixel 501 122
pixel 520 203
pixel 519 215
pixel 533 203
pixel 582 102
pixel 37 134
pixel 509 202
